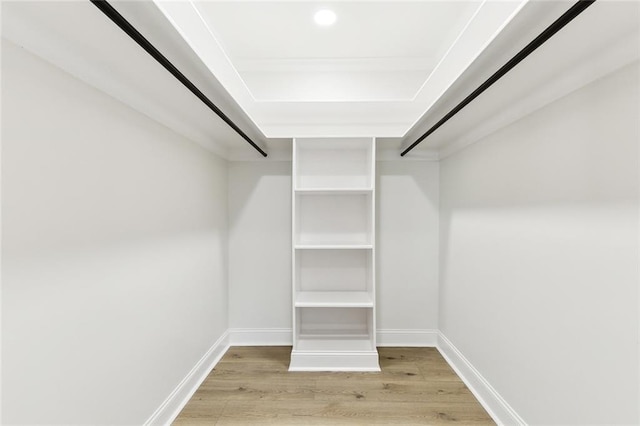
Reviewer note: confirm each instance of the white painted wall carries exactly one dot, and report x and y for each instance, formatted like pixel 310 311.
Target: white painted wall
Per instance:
pixel 260 247
pixel 539 256
pixel 407 249
pixel 114 252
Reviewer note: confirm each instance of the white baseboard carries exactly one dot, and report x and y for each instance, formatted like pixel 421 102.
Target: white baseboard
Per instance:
pixel 490 399
pixel 408 338
pixel 175 402
pixel 260 337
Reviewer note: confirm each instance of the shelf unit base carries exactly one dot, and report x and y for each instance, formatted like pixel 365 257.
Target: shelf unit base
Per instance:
pixel 334 361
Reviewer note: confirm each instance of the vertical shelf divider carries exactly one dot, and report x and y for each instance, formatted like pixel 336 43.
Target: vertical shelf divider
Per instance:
pixel 333 255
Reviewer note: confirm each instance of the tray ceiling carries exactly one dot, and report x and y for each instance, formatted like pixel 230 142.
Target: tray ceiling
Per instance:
pixel 374 72
pixel 374 52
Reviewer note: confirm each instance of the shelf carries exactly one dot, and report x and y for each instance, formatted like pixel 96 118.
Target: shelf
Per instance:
pixel 333 299
pixel 333 191
pixel 333 246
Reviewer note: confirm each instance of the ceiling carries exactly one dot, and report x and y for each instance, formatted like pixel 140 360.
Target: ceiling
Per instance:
pixel 387 69
pixel 373 73
pixel 378 51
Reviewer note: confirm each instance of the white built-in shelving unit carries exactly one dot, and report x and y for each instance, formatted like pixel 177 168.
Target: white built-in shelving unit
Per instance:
pixel 334 255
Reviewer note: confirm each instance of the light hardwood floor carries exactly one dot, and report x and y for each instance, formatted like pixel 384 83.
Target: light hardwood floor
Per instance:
pixel 251 385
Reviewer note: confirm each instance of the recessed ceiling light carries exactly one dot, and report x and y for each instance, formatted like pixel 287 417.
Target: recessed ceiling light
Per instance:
pixel 325 17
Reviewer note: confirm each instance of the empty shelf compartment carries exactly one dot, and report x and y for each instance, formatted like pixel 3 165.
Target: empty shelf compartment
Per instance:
pixel 330 163
pixel 333 219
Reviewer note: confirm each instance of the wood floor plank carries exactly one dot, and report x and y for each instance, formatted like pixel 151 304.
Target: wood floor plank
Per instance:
pixel 200 411
pixel 251 385
pixel 407 391
pixel 356 411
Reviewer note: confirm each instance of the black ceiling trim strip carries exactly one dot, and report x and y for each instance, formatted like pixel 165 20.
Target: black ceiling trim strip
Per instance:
pixel 556 26
pixel 121 22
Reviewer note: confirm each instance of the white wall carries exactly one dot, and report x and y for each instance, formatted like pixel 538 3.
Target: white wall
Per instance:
pixel 260 245
pixel 407 249
pixel 114 252
pixel 539 257
pixel 260 248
